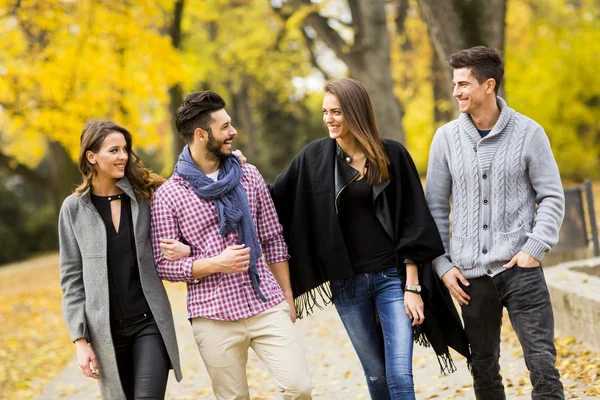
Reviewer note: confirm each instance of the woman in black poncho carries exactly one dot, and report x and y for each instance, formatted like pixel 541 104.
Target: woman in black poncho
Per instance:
pixel 354 216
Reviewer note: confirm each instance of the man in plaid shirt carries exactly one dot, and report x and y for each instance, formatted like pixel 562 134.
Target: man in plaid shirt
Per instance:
pixel 236 298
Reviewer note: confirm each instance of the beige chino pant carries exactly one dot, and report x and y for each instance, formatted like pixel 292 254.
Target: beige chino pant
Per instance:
pixel 224 346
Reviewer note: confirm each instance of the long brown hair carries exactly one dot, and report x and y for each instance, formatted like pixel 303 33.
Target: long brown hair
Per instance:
pixel 360 117
pixel 143 181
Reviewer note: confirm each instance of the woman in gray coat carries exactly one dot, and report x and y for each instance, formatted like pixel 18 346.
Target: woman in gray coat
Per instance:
pixel 115 305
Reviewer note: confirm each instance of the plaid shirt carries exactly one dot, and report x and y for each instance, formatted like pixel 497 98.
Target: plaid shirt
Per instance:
pixel 179 213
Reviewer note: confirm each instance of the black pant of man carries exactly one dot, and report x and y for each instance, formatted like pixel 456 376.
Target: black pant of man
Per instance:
pixel 523 291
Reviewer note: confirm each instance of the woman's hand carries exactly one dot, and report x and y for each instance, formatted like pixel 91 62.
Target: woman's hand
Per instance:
pixel 174 250
pixel 240 156
pixel 87 359
pixel 413 304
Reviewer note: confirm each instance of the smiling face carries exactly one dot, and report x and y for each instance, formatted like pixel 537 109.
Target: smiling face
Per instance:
pixel 469 93
pixel 219 136
pixel 111 159
pixel 333 118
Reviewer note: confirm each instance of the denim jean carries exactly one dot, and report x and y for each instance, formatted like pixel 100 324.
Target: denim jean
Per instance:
pixel 384 349
pixel 524 293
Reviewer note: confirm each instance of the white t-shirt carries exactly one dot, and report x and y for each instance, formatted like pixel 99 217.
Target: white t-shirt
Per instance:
pixel 214 176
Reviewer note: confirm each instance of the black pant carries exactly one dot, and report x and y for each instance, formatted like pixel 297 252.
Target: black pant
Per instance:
pixel 142 358
pixel 524 293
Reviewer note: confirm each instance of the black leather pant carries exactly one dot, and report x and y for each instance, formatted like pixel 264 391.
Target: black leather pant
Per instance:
pixel 142 358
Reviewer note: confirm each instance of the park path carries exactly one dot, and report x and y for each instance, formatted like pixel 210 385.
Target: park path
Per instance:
pixel 335 369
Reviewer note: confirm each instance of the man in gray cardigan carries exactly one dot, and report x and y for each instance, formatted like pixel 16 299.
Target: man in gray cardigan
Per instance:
pixel 496 165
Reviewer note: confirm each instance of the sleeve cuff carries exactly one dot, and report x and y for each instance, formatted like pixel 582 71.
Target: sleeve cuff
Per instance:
pixel 276 258
pixel 535 248
pixel 186 268
pixel 408 261
pixel 441 265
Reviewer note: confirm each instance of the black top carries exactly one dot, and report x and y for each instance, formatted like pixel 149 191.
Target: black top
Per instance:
pixel 369 246
pixel 483 133
pixel 126 295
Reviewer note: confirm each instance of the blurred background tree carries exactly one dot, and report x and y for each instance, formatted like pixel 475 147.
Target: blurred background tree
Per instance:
pixel 64 61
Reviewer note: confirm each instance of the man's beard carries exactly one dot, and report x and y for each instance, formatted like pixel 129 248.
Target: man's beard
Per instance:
pixel 213 148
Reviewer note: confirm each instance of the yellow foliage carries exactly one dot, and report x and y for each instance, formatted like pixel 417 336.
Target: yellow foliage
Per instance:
pixel 412 72
pixel 67 62
pixel 552 54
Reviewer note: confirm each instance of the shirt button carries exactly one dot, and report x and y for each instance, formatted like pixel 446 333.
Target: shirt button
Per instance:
pixel 484 251
pixel 485 201
pixel 485 226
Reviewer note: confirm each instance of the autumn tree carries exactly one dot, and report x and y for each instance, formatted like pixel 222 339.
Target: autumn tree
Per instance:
pixel 361 41
pixel 253 65
pixel 552 57
pixel 62 63
pixel 453 26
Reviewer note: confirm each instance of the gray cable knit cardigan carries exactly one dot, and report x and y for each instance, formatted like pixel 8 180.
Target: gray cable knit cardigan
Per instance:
pixel 84 282
pixel 494 184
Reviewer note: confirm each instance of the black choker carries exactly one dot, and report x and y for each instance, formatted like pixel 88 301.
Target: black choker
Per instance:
pixel 117 197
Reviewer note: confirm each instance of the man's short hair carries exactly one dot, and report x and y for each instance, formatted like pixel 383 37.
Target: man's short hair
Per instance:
pixel 484 62
pixel 195 112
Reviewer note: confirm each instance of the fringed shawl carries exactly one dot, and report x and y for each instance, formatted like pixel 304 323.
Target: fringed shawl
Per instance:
pixel 304 195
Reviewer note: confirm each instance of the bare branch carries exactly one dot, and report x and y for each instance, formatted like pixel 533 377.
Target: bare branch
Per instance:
pixel 313 56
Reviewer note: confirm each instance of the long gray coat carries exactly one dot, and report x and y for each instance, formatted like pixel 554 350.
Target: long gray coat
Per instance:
pixel 84 282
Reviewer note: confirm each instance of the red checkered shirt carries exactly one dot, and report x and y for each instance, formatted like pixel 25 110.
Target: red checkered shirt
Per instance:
pixel 178 213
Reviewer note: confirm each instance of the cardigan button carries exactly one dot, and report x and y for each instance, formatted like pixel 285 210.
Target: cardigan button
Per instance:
pixel 485 201
pixel 485 226
pixel 484 176
pixel 484 251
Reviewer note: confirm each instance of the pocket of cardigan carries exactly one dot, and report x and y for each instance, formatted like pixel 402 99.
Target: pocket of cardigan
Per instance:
pixel 507 244
pixel 461 251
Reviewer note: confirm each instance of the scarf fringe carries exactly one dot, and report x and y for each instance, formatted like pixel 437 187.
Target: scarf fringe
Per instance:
pixel 419 337
pixel 446 364
pixel 318 297
pixel 445 361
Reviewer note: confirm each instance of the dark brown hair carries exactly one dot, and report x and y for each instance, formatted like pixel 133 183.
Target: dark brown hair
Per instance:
pixel 196 112
pixel 143 181
pixel 484 62
pixel 360 117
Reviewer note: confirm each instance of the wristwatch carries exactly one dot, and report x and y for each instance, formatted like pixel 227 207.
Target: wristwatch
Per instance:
pixel 413 289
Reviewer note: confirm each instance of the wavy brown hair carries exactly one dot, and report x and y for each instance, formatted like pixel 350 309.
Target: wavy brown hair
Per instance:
pixel 360 117
pixel 143 181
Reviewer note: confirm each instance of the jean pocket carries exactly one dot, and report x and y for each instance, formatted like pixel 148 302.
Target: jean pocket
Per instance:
pixel 529 269
pixel 390 273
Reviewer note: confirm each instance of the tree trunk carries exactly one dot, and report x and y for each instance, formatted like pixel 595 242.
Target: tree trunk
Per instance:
pixel 368 58
pixel 176 92
pixel 64 174
pixel 242 116
pixel 460 24
pixel 444 107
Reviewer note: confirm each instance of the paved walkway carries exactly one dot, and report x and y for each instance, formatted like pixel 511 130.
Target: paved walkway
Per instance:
pixel 335 369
